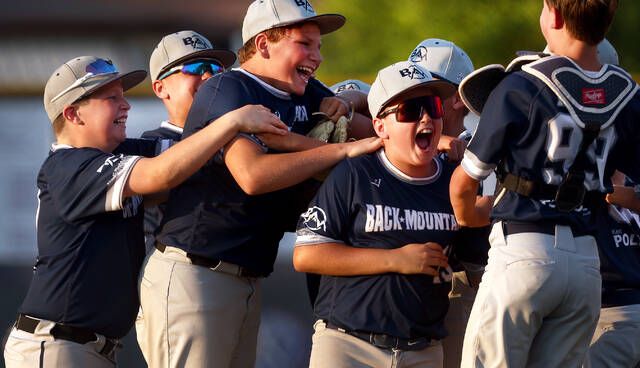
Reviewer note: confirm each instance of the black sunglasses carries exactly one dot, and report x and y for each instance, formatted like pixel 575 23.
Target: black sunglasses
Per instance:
pixel 410 111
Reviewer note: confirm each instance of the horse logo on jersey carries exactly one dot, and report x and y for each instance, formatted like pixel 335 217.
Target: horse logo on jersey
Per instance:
pixel 418 55
pixel 412 72
pixel 315 219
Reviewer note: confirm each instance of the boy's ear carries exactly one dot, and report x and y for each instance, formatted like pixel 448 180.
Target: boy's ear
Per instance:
pixel 456 101
pixel 159 90
pixel 70 113
pixel 262 45
pixel 557 19
pixel 379 127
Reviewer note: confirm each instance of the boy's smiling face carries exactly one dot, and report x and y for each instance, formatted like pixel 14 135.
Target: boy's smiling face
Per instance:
pixel 295 58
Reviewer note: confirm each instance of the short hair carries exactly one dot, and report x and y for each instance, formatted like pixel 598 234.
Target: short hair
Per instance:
pixel 273 35
pixel 586 20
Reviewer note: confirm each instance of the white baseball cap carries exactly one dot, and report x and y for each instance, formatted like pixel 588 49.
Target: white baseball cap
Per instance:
pixel 607 54
pixel 443 59
pixel 267 14
pixel 81 76
pixel 350 85
pixel 176 48
pixel 407 80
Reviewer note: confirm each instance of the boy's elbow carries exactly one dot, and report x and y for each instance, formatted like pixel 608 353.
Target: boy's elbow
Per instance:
pixel 300 260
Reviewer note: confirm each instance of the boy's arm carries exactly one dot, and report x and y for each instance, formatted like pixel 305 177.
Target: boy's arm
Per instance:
pixel 176 164
pixel 257 172
pixel 470 209
pixel 342 260
pixel 624 197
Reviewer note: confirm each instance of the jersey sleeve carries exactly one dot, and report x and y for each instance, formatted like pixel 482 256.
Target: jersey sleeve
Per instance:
pixel 327 218
pixel 90 183
pixel 504 116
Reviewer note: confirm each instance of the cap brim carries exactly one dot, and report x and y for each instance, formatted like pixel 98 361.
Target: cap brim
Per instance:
pixel 441 88
pixel 326 22
pixel 225 57
pixel 476 87
pixel 129 80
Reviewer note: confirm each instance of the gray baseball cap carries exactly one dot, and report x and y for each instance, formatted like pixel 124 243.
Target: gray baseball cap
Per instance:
pixel 81 76
pixel 267 14
pixel 350 85
pixel 179 47
pixel 442 58
pixel 405 79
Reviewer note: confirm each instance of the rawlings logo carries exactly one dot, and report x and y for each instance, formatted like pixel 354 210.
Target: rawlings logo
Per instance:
pixel 419 54
pixel 315 219
pixel 593 96
pixel 195 42
pixel 412 72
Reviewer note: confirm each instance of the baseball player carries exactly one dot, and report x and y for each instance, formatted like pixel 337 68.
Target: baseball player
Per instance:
pixel 555 131
pixel 83 296
pixel 179 64
pixel 615 342
pixel 377 231
pixel 446 60
pixel 200 289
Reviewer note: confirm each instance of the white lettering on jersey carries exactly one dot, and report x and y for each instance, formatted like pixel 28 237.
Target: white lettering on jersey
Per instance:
pixel 110 161
pixel 301 114
pixel 387 218
pixel 624 239
pixel 563 143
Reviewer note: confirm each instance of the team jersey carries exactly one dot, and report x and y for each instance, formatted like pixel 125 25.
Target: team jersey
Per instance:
pixel 90 242
pixel 619 247
pixel 167 133
pixel 366 202
pixel 526 129
pixel 209 215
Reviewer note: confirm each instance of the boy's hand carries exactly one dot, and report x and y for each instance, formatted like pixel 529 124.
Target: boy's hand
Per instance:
pixel 334 107
pixel 415 258
pixel 357 148
pixel 257 119
pixel 453 147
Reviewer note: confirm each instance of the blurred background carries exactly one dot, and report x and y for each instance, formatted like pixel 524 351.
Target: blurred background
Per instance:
pixel 37 36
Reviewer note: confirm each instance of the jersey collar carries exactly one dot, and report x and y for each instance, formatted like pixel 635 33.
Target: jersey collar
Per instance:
pixel 273 90
pixel 404 177
pixel 56 146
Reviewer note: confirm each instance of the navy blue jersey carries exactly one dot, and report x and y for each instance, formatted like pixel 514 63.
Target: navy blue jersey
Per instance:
pixel 619 248
pixel 209 215
pixel 368 203
pixel 168 134
pixel 525 128
pixel 90 242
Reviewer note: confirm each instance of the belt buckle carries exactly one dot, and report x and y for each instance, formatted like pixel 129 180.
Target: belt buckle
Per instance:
pixel 109 347
pixel 383 341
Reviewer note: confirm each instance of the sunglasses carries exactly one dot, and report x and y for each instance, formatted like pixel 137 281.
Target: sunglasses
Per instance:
pixel 410 111
pixel 96 69
pixel 198 67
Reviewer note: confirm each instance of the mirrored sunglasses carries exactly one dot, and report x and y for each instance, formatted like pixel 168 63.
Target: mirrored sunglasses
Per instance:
pixel 410 111
pixel 96 69
pixel 198 67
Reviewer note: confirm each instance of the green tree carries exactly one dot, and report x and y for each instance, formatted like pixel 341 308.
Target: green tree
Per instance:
pixel 379 32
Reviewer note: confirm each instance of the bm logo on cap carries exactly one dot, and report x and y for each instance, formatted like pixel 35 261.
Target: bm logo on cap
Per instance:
pixel 195 42
pixel 304 3
pixel 412 72
pixel 419 54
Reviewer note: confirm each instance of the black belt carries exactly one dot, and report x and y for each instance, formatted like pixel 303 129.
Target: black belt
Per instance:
pixel 549 228
pixel 384 341
pixel 64 332
pixel 211 263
